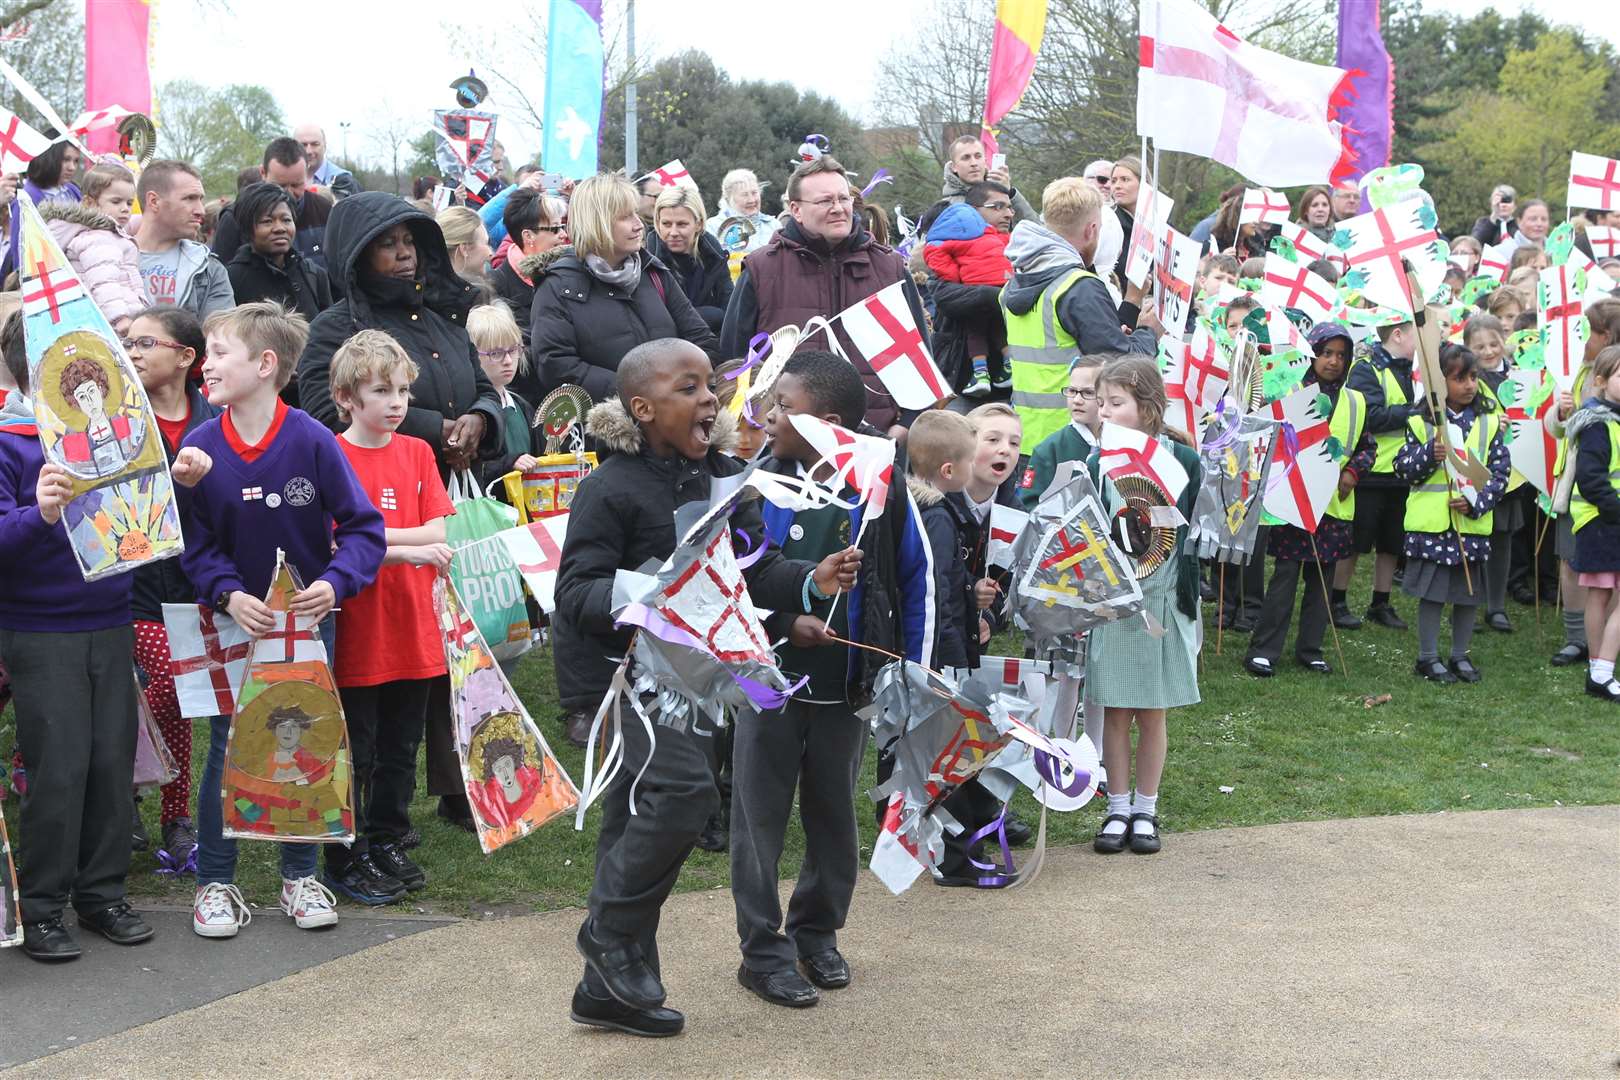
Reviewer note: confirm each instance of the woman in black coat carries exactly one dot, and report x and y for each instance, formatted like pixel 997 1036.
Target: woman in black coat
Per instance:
pixel 610 296
pixel 392 272
pixel 696 258
pixel 268 266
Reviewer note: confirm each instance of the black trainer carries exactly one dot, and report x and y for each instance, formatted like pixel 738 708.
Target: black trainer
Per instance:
pixel 364 882
pixel 391 859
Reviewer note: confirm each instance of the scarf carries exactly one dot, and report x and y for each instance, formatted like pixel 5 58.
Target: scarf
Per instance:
pixel 626 277
pixel 17 414
pixel 1594 412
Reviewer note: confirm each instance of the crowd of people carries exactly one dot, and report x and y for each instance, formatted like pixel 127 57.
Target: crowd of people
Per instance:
pixel 370 346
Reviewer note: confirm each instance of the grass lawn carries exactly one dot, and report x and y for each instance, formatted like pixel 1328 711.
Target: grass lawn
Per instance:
pixel 1295 747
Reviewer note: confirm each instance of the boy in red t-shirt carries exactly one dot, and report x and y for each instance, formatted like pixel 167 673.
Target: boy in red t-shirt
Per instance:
pixel 388 647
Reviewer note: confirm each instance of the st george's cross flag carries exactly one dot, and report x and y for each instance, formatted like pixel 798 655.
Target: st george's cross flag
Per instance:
pixel 1203 90
pixel 1495 260
pixel 1594 182
pixel 1292 285
pixel 864 462
pixel 1560 315
pixel 1127 452
pixel 19 143
pixel 1304 470
pixel 882 330
pixel 1263 207
pixel 1378 243
pixel 536 550
pixel 208 657
pixel 673 174
pixel 1604 239
pixel 1006 522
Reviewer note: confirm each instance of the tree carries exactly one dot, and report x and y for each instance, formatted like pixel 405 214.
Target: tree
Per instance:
pixel 220 132
pixel 50 55
pixel 390 136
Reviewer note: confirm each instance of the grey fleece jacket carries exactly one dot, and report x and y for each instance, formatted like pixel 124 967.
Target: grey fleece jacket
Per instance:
pixel 205 286
pixel 1087 311
pixel 955 190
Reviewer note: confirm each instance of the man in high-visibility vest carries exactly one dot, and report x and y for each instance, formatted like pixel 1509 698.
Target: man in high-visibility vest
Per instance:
pixel 1057 308
pixel 1384 378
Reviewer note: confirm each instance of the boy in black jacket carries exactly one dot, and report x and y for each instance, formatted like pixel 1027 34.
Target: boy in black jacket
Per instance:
pixel 660 439
pixel 816 742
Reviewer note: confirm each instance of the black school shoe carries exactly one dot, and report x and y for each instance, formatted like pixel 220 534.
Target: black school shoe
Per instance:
pixel 827 969
pixel 1112 843
pixel 1498 621
pixel 1344 618
pixel 786 987
pixel 1386 616
pixel 118 924
pixel 1144 842
pixel 619 963
pixel 1464 669
pixel 659 1023
pixel 716 836
pixel 1319 666
pixel 1434 671
pixel 1259 667
pixel 1570 655
pixel 391 859
pixel 49 941
pixel 459 816
pixel 1609 691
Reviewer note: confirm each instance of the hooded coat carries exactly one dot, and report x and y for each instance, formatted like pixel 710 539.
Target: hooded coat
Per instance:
pixel 515 280
pixel 623 517
pixel 704 277
pixel 428 317
pixel 963 247
pixel 580 327
pixel 1087 311
pixel 107 260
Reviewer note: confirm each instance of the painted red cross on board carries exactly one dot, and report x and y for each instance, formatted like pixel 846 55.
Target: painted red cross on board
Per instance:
pixel 907 345
pixel 1289 460
pixel 1606 183
pixel 1207 364
pixel 1566 309
pixel 1392 249
pixel 49 290
pixel 1136 462
pixel 550 554
pixel 464 629
pixel 1298 287
pixel 1537 421
pixel 288 631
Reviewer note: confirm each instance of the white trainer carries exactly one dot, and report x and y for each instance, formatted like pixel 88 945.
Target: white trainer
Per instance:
pixel 218 911
pixel 310 903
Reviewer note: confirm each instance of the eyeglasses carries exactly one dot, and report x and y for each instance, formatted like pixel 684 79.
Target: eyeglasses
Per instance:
pixel 997 206
pixel 144 343
pixel 553 229
pixel 1098 179
pixel 829 202
pixel 1085 393
pixel 501 354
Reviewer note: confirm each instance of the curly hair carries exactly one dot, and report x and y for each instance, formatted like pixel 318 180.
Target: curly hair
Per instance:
pixel 504 746
pixel 82 371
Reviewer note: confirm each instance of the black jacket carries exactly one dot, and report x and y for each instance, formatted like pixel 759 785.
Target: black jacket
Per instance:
pixel 705 279
pixel 956 308
pixel 164 582
pixel 300 284
pixel 427 317
pixel 516 286
pixel 580 328
pixel 1383 415
pixel 1490 233
pixel 623 517
pixel 953 534
pixel 314 212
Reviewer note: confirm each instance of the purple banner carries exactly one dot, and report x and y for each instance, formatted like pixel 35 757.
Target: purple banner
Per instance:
pixel 1368 115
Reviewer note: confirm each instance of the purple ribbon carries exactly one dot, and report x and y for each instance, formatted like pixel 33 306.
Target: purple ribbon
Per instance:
pixel 1290 450
pixel 750 556
pixel 168 864
pixel 880 177
pixel 1003 873
pixel 764 698
pixel 759 347
pixel 1229 420
pixel 1050 768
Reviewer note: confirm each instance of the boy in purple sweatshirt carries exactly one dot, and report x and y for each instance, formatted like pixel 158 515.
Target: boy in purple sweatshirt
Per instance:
pixel 279 481
pixel 70 649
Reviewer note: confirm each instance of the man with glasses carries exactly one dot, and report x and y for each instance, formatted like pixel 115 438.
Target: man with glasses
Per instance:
pixel 819 263
pixel 969 336
pixel 965 166
pixel 1100 172
pixel 1499 224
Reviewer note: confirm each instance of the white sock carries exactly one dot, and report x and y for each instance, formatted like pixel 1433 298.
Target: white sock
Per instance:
pixel 1117 804
pixel 1600 671
pixel 1144 804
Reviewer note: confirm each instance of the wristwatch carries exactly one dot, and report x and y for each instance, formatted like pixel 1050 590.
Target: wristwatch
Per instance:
pixel 222 602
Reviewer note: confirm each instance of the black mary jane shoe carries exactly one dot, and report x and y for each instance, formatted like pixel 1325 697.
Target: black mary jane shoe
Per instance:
pixel 1106 843
pixel 49 942
pixel 1259 667
pixel 786 987
pixel 1144 843
pixel 1434 671
pixel 1319 666
pixel 1464 669
pixel 827 969
pixel 1498 621
pixel 118 924
pixel 619 963
pixel 1609 691
pixel 606 1013
pixel 1569 656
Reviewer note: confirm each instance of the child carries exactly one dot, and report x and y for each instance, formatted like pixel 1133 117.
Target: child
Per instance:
pixel 1594 436
pixel 1237 311
pixel 68 646
pixel 963 247
pixel 499 341
pixel 93 234
pixel 280 482
pixel 389 650
pixel 1465 254
pixel 1443 529
pixel 165 343
pixel 816 742
pixel 1294 549
pixel 1384 379
pixel 1135 675
pixel 1482 336
pixel 1075 440
pixel 658 441
pixel 1217 269
pixel 1507 304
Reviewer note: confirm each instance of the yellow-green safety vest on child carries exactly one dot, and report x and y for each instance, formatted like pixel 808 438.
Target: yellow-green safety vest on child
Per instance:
pixel 1428 507
pixel 1346 424
pixel 1580 511
pixel 1389 442
pixel 1041 351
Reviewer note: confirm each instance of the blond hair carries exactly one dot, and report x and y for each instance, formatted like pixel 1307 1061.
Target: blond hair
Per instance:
pixel 265 326
pixel 680 197
pixel 938 438
pixel 459 225
pixel 597 203
pixel 367 356
pixel 991 409
pixel 735 181
pixel 493 326
pixel 1069 202
pixel 102 177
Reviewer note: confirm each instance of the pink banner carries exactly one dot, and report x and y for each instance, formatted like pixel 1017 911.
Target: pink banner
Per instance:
pixel 116 64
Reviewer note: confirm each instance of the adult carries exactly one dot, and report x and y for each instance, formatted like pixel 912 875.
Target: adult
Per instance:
pixel 647 189
pixel 284 166
pixel 393 273
pixel 1534 221
pixel 323 171
pixel 1100 172
pixel 965 166
pixel 606 298
pixel 1057 308
pixel 268 265
pixel 1497 225
pixel 1346 200
pixel 1314 210
pixel 537 239
pixel 1124 184
pixel 957 307
pixel 1203 231
pixel 697 260
pixel 467 240
pixel 819 263
pixel 50 175
pixel 497 159
pixel 176 268
pixel 741 197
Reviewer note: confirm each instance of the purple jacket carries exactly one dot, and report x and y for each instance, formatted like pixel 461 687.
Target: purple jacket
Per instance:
pixel 290 498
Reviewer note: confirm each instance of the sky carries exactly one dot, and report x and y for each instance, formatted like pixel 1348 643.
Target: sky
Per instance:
pixel 397 57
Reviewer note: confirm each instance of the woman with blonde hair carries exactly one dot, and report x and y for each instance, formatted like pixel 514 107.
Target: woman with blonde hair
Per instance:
pixel 741 198
pixel 467 239
pixel 606 298
pixel 696 258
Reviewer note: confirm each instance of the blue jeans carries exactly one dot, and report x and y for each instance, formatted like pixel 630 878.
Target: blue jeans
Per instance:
pixel 216 855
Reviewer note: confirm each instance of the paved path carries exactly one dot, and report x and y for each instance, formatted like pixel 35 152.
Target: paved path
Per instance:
pixel 1477 944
